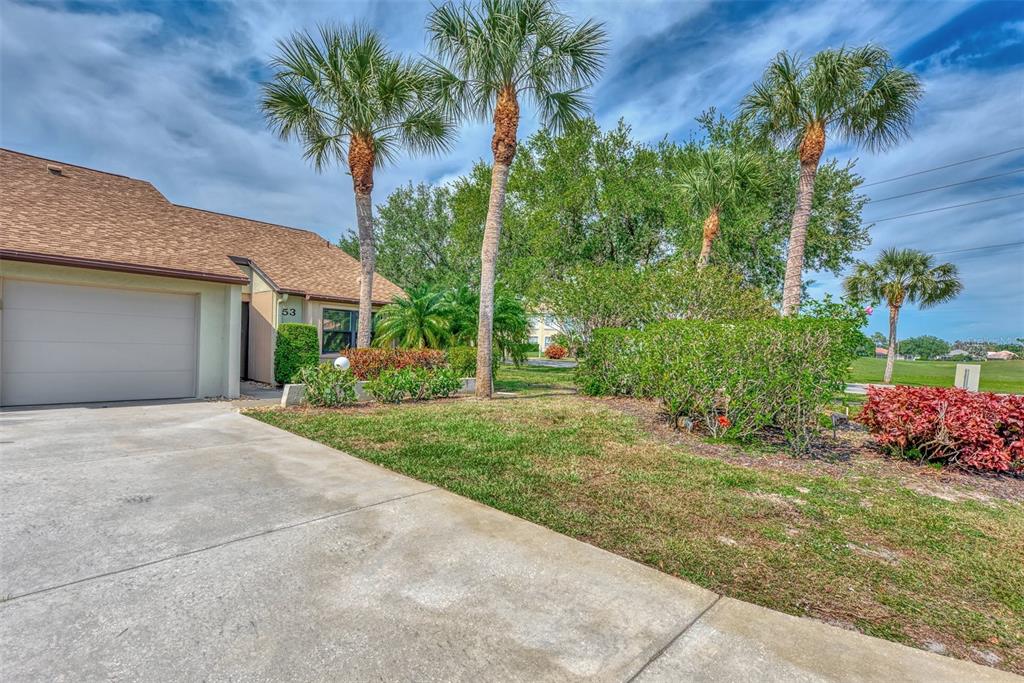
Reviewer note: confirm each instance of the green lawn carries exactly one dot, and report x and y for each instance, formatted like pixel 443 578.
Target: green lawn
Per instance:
pixel 858 548
pixel 1002 376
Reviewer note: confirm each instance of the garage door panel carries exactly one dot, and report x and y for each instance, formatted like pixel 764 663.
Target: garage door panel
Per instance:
pixel 73 326
pixel 84 387
pixel 69 344
pixel 68 298
pixel 54 357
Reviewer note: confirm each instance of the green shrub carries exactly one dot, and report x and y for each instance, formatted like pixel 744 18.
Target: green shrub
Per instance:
pixel 462 359
pixel 388 387
pixel 297 347
pixel 444 382
pixel 326 385
pixel 731 379
pixel 531 347
pixel 419 384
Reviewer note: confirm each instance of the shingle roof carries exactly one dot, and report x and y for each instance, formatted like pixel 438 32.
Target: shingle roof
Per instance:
pixel 81 216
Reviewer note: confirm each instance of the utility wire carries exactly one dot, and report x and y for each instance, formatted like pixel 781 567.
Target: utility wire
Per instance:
pixel 943 187
pixel 944 208
pixel 939 168
pixel 987 246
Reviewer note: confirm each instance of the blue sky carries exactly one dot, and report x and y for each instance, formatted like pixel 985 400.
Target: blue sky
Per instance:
pixel 167 91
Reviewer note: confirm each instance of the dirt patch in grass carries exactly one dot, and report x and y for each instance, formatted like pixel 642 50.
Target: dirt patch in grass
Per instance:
pixel 852 453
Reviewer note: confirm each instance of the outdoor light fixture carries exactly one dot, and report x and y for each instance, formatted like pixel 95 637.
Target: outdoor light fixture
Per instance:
pixel 341 363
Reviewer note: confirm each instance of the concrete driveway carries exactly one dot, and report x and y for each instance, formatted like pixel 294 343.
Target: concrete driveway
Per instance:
pixel 187 542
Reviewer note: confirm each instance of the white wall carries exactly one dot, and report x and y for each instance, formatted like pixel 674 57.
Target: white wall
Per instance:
pixel 219 314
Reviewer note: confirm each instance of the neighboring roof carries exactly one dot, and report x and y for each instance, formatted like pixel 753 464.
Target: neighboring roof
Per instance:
pixel 881 350
pixel 83 217
pixel 1001 355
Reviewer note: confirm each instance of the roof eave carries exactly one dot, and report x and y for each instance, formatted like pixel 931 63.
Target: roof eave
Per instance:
pixel 120 267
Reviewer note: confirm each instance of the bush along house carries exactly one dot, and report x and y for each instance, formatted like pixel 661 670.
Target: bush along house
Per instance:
pixel 108 291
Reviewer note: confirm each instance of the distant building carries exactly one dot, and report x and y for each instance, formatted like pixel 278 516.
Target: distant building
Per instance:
pixel 956 354
pixel 543 328
pixel 883 352
pixel 1000 355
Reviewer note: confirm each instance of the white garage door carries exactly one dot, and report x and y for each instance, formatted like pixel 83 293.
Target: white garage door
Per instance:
pixel 70 344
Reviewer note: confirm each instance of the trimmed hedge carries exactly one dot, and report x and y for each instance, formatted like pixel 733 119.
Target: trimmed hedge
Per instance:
pixel 731 379
pixel 297 347
pixel 369 363
pixel 977 430
pixel 419 384
pixel 326 385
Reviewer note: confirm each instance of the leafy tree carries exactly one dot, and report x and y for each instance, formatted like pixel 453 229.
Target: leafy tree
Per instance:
pixel 416 245
pixel 855 93
pixel 348 100
pixel 879 339
pixel 589 297
pixel 488 59
pixel 718 177
pixel 900 276
pixel 417 320
pixel 925 346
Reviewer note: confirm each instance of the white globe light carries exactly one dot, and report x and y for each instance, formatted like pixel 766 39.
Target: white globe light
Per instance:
pixel 341 363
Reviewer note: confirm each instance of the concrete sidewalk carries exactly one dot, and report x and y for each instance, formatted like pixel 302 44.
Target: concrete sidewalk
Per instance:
pixel 188 542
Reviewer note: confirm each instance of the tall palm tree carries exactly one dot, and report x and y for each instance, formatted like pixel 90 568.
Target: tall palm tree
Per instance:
pixel 350 101
pixel 900 276
pixel 857 94
pixel 718 178
pixel 488 58
pixel 417 320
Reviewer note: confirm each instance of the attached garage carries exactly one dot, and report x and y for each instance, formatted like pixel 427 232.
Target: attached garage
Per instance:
pixel 66 343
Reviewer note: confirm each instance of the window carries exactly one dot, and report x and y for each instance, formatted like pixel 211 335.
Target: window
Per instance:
pixel 340 329
pixel 533 340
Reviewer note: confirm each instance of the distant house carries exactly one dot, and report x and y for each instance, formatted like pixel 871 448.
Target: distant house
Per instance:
pixel 1000 355
pixel 956 354
pixel 883 352
pixel 543 328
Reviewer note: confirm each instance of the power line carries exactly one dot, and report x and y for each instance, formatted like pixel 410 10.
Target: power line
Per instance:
pixel 939 168
pixel 943 187
pixel 944 208
pixel 987 246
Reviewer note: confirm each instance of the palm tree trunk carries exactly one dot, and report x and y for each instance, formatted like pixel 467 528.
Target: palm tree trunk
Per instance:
pixel 360 161
pixel 503 144
pixel 367 263
pixel 711 228
pixel 890 358
pixel 811 148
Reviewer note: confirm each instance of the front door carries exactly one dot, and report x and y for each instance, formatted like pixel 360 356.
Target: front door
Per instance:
pixel 244 356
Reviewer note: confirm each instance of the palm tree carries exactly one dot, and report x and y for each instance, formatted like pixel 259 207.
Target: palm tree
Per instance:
pixel 900 276
pixel 510 325
pixel 417 320
pixel 489 57
pixel 349 100
pixel 857 94
pixel 717 179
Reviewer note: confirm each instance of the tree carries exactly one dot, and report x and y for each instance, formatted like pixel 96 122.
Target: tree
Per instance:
pixel 879 339
pixel 416 245
pixel 511 327
pixel 488 58
pixel 900 276
pixel 417 320
pixel 855 93
pixel 348 100
pixel 925 346
pixel 716 180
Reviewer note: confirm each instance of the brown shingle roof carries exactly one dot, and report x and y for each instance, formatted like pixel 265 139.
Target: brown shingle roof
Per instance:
pixel 86 217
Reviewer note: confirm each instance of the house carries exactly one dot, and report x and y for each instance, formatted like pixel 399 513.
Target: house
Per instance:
pixel 956 354
pixel 542 329
pixel 108 291
pixel 1000 355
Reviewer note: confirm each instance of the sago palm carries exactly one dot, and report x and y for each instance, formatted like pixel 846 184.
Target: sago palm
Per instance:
pixel 856 94
pixel 417 320
pixel 489 57
pixel 718 178
pixel 350 101
pixel 901 276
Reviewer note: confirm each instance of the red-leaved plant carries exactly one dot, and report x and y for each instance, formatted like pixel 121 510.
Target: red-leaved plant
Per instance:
pixel 981 431
pixel 369 363
pixel 555 351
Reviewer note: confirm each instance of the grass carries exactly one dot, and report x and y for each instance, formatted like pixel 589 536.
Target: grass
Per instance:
pixel 859 549
pixel 1002 376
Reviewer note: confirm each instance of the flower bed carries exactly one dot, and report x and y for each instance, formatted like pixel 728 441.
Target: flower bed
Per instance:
pixel 982 431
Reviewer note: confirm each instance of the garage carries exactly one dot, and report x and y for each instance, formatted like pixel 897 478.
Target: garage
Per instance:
pixel 64 343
